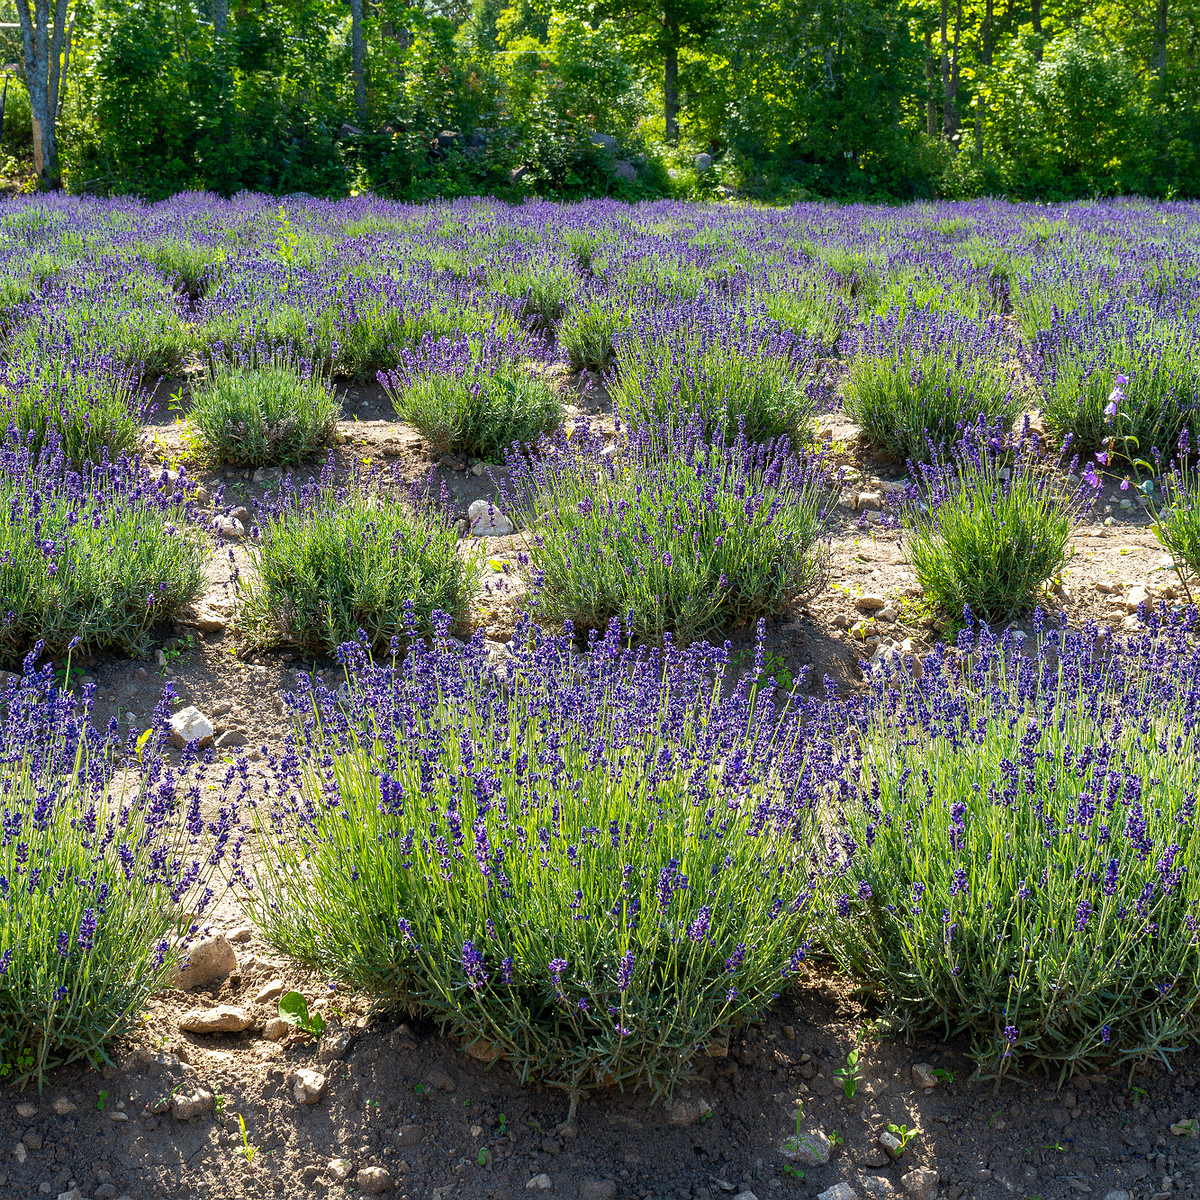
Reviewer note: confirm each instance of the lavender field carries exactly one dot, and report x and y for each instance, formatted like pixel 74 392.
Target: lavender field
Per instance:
pixel 665 655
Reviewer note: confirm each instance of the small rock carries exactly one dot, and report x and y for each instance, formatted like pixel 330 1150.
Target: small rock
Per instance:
pixel 271 990
pixel 206 962
pixel 62 1106
pixel 26 1110
pixel 745 1196
pixel 598 1189
pixel 683 1113
pixel 241 934
pixel 340 1168
pixel 702 161
pixel 191 1102
pixel 20 1152
pixel 486 520
pixel 190 725
pixel 878 1185
pixel 888 614
pixel 1188 1129
pixel 539 1183
pixel 1117 1194
pixel 333 1046
pixel 241 514
pixel 891 1143
pixel 222 1019
pixel 308 1086
pixel 73 1194
pixel 921 1183
pixel 32 1139
pixel 230 528
pixel 869 500
pixel 923 1076
pixel 869 604
pixel 231 738
pixel 812 1148
pixel 373 1180
pixel 839 1191
pixel 276 1029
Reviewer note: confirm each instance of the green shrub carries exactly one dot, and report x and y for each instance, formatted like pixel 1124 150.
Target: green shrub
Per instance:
pixel 590 328
pixel 106 865
pixel 1020 858
pixel 471 397
pixel 991 527
pixel 89 408
pixel 917 378
pixel 97 558
pixel 564 872
pixel 273 413
pixel 328 562
pixel 1177 516
pixel 675 533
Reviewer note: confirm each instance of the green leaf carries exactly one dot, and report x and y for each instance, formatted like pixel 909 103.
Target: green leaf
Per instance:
pixel 293 1008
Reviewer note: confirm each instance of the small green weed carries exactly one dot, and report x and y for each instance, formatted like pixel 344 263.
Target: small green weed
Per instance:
pixel 293 1008
pixel 849 1075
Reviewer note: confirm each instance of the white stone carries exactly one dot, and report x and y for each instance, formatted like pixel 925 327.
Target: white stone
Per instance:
pixel 486 520
pixel 222 1019
pixel 276 1029
pixel 869 603
pixel 26 1110
pixel 190 725
pixel 308 1086
pixel 63 1107
pixel 340 1168
pixel 206 962
pixel 191 1102
pixel 230 528
pixel 921 1183
pixel 839 1191
pixel 539 1183
pixel 878 1185
pixel 923 1076
pixel 270 990
pixel 373 1180
pixel 811 1148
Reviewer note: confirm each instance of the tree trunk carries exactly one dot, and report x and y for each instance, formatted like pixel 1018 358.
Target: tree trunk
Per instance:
pixel 945 58
pixel 356 59
pixel 985 61
pixel 671 83
pixel 1160 43
pixel 220 17
pixel 1035 13
pixel 43 31
pixel 950 114
pixel 930 105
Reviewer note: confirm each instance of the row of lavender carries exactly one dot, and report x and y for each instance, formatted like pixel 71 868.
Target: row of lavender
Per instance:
pixel 1050 912
pixel 596 866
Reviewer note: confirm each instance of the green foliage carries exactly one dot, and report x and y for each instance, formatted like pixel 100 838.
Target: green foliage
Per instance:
pixel 271 413
pixel 1047 912
pixel 293 1008
pixel 590 328
pixel 480 412
pixel 330 562
pixel 1177 518
pixel 674 534
pixel 991 527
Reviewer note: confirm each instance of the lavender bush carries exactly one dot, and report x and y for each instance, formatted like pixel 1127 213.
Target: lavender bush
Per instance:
pixel 987 529
pixel 592 867
pixel 106 867
pixel 265 409
pixel 670 531
pixel 1019 856
pixel 327 562
pixel 915 379
pixel 96 555
pixel 473 395
pixel 1177 515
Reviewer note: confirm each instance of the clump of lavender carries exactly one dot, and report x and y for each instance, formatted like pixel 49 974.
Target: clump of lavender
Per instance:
pixel 669 530
pixel 473 395
pixel 736 368
pixel 989 527
pixel 330 561
pixel 106 866
pixel 262 409
pixel 593 865
pixel 1153 362
pixel 91 406
pixel 1177 514
pixel 916 378
pixel 1019 859
pixel 97 554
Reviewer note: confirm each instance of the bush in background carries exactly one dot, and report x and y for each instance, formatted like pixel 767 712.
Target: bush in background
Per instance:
pixel 568 872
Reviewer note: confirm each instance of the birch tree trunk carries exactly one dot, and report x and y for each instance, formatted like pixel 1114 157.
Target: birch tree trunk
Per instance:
pixel 43 32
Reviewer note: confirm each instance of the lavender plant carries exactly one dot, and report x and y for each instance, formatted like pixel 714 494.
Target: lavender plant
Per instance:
pixel 1177 515
pixel 593 871
pixel 472 395
pixel 589 329
pixel 96 555
pixel 327 562
pixel 106 866
pixel 988 528
pixel 916 378
pixel 671 532
pixel 1018 856
pixel 737 370
pixel 274 411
